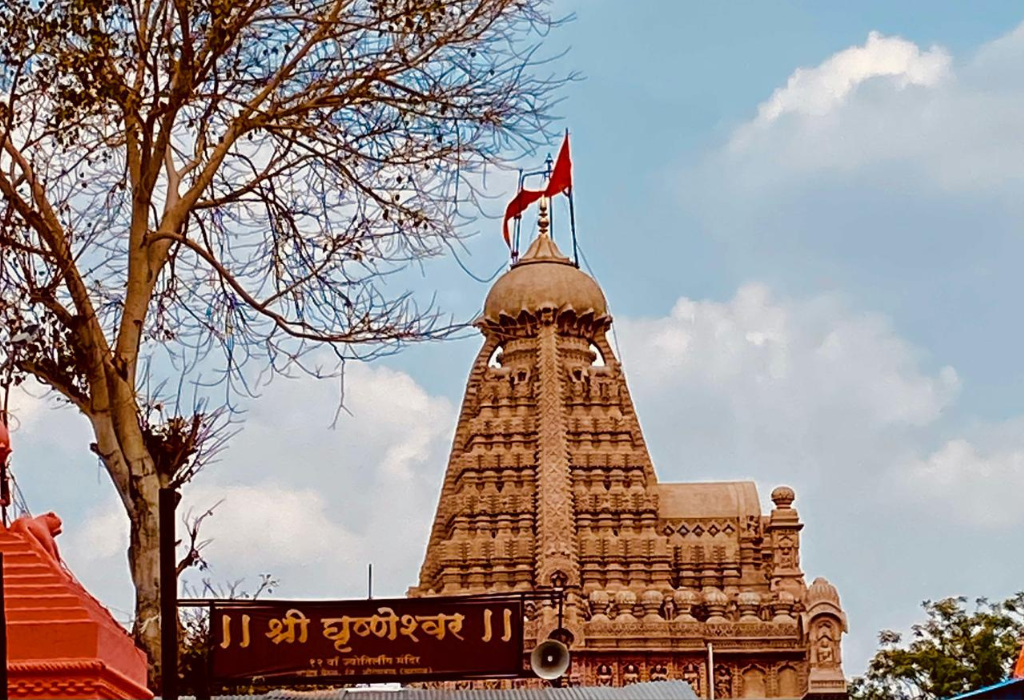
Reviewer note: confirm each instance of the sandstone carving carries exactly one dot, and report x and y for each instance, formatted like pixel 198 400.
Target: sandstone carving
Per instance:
pixel 550 483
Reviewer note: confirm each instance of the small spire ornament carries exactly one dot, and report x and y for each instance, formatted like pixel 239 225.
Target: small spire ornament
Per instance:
pixel 543 222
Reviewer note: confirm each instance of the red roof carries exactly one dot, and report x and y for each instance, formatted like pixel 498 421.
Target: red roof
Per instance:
pixel 61 642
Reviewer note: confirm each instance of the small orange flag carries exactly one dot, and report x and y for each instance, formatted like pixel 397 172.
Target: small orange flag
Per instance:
pixel 519 203
pixel 1018 671
pixel 560 181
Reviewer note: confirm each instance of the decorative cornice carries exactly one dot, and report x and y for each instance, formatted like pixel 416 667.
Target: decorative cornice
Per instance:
pixel 696 630
pixel 70 678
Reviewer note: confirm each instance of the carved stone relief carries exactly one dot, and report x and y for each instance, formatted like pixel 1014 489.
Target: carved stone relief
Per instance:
pixel 825 648
pixel 550 482
pixel 723 681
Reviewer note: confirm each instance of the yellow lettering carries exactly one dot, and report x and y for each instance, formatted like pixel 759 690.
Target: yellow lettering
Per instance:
pixel 439 625
pixel 284 630
pixel 338 635
pixel 508 626
pixel 245 632
pixel 409 626
pixel 225 626
pixel 487 625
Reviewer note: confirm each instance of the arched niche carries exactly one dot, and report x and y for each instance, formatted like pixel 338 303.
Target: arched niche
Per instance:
pixel 789 682
pixel 753 683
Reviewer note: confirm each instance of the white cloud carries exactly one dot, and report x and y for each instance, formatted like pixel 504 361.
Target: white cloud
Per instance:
pixel 270 524
pixel 957 129
pixel 29 404
pixel 104 534
pixel 306 503
pixel 897 155
pixel 779 384
pixel 817 91
pixel 977 481
pixel 94 545
pixel 813 391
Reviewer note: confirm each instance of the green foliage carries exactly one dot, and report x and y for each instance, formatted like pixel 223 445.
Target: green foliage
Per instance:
pixel 955 651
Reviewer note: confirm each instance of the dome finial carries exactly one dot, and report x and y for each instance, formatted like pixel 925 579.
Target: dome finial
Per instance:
pixel 543 222
pixel 783 497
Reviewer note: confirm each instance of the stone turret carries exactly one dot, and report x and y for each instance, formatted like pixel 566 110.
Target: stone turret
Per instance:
pixel 550 483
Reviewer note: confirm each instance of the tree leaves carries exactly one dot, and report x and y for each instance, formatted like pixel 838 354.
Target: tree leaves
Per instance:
pixel 953 652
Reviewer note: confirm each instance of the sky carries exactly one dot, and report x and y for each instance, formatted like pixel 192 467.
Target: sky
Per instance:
pixel 806 217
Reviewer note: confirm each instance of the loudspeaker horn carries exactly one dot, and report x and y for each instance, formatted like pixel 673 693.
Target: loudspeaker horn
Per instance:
pixel 549 659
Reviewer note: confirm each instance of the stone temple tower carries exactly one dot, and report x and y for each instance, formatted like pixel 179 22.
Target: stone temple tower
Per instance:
pixel 550 483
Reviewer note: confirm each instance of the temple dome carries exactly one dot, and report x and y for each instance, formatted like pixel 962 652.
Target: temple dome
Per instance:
pixel 544 279
pixel 822 590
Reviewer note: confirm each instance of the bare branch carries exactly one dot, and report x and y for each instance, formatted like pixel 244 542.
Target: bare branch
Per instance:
pixel 194 556
pixel 210 194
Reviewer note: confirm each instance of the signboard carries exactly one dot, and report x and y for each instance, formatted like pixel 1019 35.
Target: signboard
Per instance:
pixel 397 640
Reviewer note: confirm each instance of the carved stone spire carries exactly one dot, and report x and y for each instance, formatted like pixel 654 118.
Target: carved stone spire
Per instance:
pixel 550 483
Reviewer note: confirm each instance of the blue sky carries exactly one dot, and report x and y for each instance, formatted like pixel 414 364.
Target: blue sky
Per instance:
pixel 807 220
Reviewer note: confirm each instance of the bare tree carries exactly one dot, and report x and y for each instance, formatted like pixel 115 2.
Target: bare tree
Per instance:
pixel 208 191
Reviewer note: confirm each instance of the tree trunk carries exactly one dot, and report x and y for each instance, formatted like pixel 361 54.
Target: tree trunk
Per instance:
pixel 144 559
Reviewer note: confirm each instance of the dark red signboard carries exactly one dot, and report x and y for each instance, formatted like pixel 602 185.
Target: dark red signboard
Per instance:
pixel 402 639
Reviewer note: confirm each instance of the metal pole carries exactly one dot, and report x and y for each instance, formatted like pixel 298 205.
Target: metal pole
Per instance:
pixel 369 581
pixel 711 671
pixel 519 220
pixel 3 634
pixel 168 596
pixel 572 227
pixel 203 691
pixel 549 166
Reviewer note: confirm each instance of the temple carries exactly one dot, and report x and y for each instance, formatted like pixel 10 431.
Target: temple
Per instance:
pixel 549 484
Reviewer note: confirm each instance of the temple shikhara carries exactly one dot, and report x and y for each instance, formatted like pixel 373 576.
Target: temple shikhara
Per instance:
pixel 550 483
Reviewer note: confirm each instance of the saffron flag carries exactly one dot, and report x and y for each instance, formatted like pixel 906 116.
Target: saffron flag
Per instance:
pixel 560 181
pixel 519 203
pixel 1018 671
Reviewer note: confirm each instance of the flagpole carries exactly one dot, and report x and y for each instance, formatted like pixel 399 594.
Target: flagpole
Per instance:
pixel 548 162
pixel 519 221
pixel 572 219
pixel 572 227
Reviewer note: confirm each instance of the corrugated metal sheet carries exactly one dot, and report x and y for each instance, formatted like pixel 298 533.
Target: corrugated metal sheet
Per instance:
pixel 659 690
pixel 1012 689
